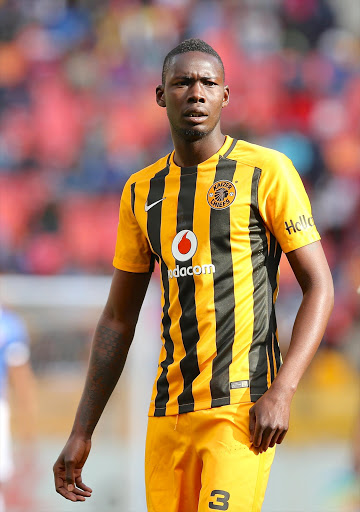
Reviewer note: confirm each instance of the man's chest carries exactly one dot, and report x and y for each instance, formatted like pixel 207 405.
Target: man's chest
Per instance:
pixel 192 214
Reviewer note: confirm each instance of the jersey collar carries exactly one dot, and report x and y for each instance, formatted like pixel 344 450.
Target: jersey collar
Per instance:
pixel 224 148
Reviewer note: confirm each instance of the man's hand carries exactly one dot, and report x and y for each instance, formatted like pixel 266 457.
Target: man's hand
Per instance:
pixel 67 469
pixel 269 420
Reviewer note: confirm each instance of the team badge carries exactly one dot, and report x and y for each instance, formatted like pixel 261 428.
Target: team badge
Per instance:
pixel 221 194
pixel 184 245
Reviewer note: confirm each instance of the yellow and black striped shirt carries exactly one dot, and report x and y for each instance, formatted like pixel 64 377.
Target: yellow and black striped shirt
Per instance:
pixel 217 230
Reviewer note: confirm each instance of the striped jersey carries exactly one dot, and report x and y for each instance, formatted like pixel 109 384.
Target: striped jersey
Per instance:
pixel 217 230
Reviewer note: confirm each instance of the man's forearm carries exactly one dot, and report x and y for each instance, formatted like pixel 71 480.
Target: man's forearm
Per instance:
pixel 108 355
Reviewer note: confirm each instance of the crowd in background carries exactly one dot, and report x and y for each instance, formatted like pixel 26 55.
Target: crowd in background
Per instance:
pixel 78 116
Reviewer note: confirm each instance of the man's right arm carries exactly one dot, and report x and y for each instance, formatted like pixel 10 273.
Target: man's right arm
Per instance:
pixel 110 346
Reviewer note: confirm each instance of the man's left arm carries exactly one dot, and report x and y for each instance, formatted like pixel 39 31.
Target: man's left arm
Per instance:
pixel 269 416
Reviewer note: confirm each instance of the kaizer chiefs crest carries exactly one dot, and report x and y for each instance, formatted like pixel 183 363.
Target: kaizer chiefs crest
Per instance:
pixel 221 194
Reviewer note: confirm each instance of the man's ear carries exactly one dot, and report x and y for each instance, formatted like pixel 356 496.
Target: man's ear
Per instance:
pixel 160 99
pixel 226 96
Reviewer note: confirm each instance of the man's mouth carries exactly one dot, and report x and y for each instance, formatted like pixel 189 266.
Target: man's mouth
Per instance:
pixel 196 116
pixel 195 113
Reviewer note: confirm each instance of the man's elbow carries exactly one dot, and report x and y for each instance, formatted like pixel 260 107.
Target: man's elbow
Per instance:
pixel 124 325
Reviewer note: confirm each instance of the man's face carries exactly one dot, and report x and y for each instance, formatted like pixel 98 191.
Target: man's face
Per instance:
pixel 193 94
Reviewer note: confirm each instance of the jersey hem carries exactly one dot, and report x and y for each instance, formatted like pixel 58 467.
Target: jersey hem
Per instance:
pixel 174 410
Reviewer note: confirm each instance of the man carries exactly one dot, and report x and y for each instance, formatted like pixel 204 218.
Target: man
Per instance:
pixel 216 213
pixel 15 369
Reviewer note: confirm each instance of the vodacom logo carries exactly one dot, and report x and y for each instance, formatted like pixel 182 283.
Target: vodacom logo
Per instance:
pixel 184 245
pixel 183 248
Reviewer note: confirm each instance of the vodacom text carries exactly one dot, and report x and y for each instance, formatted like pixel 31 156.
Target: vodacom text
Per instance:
pixel 190 271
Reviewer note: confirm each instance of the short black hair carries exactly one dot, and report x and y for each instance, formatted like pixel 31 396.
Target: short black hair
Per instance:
pixel 190 45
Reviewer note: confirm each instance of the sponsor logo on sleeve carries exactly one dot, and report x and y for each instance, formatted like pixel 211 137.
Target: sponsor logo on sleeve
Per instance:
pixel 301 224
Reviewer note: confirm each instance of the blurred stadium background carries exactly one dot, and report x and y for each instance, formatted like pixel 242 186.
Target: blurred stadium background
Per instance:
pixel 77 117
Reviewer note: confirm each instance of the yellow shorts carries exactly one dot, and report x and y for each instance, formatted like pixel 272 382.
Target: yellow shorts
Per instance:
pixel 203 461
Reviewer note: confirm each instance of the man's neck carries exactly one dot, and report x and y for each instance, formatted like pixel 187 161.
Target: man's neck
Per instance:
pixel 189 153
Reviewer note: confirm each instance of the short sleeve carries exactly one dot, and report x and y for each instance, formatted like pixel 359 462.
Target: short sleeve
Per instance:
pixel 132 251
pixel 284 204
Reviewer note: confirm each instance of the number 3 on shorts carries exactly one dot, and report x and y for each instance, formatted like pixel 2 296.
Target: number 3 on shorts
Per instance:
pixel 221 502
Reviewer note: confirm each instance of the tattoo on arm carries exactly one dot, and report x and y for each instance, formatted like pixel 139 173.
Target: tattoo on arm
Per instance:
pixel 109 346
pixel 107 360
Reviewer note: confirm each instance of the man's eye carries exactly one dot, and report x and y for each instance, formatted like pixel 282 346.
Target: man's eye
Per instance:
pixel 208 82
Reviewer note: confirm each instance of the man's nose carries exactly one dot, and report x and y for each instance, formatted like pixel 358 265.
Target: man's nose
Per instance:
pixel 196 93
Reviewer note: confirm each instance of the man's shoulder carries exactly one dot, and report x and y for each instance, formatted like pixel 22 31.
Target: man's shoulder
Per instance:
pixel 150 171
pixel 255 155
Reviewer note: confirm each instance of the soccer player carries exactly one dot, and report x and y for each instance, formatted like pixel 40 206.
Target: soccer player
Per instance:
pixel 216 213
pixel 14 369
